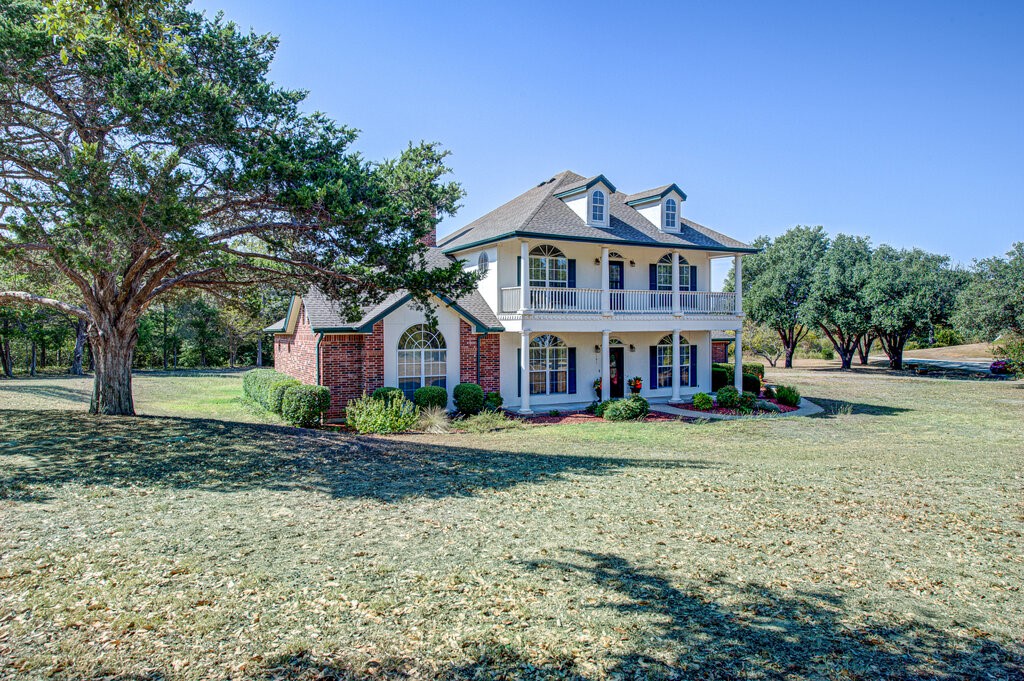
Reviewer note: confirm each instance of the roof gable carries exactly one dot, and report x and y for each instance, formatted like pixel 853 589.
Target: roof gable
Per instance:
pixel 583 186
pixel 654 194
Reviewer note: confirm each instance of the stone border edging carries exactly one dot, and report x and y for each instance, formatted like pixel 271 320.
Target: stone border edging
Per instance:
pixel 806 408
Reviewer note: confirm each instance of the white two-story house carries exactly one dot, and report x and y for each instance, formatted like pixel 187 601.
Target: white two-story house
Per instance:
pixel 582 287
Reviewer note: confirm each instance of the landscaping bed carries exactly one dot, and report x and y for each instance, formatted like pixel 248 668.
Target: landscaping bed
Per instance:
pixel 724 411
pixel 574 417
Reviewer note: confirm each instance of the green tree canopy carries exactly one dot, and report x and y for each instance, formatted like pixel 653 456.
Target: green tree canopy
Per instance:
pixel 129 187
pixel 777 283
pixel 838 302
pixel 908 291
pixel 992 301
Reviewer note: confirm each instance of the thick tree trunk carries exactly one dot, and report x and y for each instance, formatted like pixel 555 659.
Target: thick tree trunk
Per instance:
pixel 893 346
pixel 259 351
pixel 76 358
pixel 864 348
pixel 112 388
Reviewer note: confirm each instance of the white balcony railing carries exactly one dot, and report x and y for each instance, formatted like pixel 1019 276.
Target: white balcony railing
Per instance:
pixel 588 301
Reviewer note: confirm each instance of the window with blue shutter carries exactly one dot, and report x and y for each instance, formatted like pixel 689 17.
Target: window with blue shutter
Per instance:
pixel 572 370
pixel 653 376
pixel 693 277
pixel 572 273
pixel 693 366
pixel 519 270
pixel 519 372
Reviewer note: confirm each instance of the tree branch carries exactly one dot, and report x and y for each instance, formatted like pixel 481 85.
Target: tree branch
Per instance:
pixel 29 299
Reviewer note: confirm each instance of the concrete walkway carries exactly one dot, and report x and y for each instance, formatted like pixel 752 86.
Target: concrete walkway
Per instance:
pixel 806 408
pixel 979 365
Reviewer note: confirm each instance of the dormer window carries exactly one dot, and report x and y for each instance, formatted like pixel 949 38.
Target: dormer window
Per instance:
pixel 597 206
pixel 670 214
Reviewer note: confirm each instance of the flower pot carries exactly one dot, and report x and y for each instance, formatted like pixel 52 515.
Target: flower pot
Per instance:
pixel 635 391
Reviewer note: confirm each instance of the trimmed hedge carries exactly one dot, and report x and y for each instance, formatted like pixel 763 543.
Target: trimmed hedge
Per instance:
pixel 751 384
pixel 720 378
pixel 756 368
pixel 305 405
pixel 468 398
pixel 632 408
pixel 256 386
pixel 391 413
pixel 493 401
pixel 276 391
pixel 382 393
pixel 728 397
pixel 430 396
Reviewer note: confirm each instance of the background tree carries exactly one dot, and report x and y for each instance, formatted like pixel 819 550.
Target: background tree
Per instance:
pixel 991 301
pixel 763 342
pixel 777 283
pixel 130 187
pixel 909 291
pixel 838 303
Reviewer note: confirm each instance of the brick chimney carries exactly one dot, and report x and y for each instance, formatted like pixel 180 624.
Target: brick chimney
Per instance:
pixel 430 238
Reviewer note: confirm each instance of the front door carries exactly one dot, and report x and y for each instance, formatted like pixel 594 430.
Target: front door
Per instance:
pixel 616 282
pixel 616 364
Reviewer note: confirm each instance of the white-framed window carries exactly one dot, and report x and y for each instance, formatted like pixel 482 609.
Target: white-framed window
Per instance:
pixel 483 263
pixel 549 365
pixel 597 206
pixel 670 214
pixel 422 359
pixel 664 274
pixel 549 268
pixel 663 362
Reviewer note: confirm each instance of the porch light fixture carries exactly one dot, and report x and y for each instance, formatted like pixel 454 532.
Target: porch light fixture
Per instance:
pixel 632 348
pixel 597 261
pixel 632 263
pixel 597 349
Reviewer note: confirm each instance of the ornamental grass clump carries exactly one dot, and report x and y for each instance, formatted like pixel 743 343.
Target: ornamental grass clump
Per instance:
pixel 787 395
pixel 391 413
pixel 305 405
pixel 435 420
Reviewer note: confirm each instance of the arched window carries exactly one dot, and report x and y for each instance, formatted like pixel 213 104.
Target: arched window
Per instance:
pixel 422 359
pixel 663 362
pixel 483 263
pixel 664 278
pixel 597 206
pixel 670 214
pixel 548 267
pixel 549 365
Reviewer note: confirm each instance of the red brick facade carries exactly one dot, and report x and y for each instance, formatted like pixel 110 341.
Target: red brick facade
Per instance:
pixel 720 351
pixel 490 358
pixel 353 364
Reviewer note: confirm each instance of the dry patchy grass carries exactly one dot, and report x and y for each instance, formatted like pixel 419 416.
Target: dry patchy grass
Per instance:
pixel 881 539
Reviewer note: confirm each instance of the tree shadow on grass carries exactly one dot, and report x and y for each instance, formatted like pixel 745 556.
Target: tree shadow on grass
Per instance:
pixel 57 392
pixel 833 408
pixel 41 450
pixel 719 630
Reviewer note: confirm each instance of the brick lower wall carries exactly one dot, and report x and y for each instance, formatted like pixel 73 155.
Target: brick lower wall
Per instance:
pixel 720 351
pixel 490 358
pixel 373 359
pixel 341 370
pixel 295 353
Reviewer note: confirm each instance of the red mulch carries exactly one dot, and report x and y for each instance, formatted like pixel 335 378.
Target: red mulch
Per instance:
pixel 573 417
pixel 783 408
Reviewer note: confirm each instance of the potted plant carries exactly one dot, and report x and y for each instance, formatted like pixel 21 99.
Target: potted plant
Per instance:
pixel 636 384
pixel 597 386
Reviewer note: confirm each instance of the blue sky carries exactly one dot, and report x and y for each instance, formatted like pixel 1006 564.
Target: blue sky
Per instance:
pixel 899 121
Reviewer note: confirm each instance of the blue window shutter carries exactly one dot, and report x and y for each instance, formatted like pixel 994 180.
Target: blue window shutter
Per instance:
pixel 653 270
pixel 519 372
pixel 519 270
pixel 693 366
pixel 572 368
pixel 572 273
pixel 693 277
pixel 653 382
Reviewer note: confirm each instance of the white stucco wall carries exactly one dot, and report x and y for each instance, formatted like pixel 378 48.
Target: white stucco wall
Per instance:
pixel 396 323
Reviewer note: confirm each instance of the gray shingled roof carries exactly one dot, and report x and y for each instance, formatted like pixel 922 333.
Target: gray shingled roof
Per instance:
pixel 324 313
pixel 537 212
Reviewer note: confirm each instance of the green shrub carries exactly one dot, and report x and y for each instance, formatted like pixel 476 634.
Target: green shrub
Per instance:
pixel 305 405
pixel 390 414
pixel 600 407
pixel 256 386
pixel 747 400
pixel 382 393
pixel 468 398
pixel 769 392
pixel 720 378
pixel 703 401
pixel 493 401
pixel 752 383
pixel 765 405
pixel 787 395
pixel 434 420
pixel 756 368
pixel 632 408
pixel 488 421
pixel 275 393
pixel 728 397
pixel 430 396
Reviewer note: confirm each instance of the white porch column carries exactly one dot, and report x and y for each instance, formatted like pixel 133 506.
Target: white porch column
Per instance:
pixel 738 371
pixel 606 296
pixel 606 379
pixel 738 267
pixel 524 277
pixel 675 282
pixel 524 373
pixel 675 366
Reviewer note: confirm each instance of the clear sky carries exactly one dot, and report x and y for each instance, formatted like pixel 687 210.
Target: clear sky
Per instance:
pixel 900 121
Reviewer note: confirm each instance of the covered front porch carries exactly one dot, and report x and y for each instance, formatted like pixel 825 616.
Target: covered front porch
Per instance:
pixel 547 369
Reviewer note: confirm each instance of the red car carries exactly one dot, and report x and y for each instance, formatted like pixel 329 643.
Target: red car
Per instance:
pixel 1000 366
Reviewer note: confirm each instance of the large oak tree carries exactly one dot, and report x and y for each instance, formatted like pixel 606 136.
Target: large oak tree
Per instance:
pixel 129 183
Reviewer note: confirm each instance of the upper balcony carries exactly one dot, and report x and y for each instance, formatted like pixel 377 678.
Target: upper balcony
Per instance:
pixel 614 302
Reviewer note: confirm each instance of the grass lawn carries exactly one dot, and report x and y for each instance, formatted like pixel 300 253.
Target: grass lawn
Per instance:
pixel 882 539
